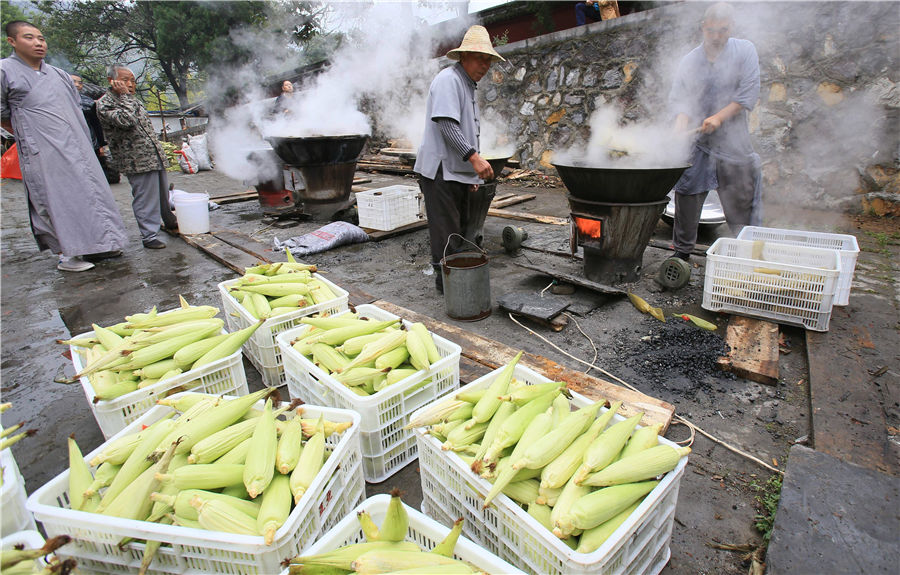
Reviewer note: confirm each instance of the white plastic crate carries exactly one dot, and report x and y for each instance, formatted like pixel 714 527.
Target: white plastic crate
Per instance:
pixel 336 490
pixel 450 490
pixel 423 531
pixel 222 377
pixel 388 208
pixel 844 243
pixel 29 539
pixel 781 282
pixel 13 514
pixel 386 446
pixel 261 348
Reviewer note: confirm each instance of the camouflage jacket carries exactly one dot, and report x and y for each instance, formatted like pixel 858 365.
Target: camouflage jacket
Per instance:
pixel 133 145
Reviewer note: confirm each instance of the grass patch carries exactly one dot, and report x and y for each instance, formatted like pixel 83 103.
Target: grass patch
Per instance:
pixel 767 496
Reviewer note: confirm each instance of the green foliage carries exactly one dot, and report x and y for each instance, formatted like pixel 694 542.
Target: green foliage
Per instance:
pixel 767 504
pixel 501 40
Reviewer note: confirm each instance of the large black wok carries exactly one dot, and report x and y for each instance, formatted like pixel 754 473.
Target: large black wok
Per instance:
pixel 618 185
pixel 318 150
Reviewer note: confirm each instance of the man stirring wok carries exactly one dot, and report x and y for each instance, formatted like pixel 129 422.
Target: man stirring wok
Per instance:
pixel 716 86
pixel 448 163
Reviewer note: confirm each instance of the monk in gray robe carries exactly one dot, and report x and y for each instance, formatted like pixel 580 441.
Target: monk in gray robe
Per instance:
pixel 70 204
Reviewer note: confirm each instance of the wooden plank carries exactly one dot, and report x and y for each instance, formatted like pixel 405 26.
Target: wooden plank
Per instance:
pixel 699 249
pixel 245 243
pixel 494 354
pixel 234 198
pixel 573 279
pixel 526 217
pixel 378 235
pixel 470 370
pixel 501 197
pixel 512 200
pixel 220 251
pixel 753 350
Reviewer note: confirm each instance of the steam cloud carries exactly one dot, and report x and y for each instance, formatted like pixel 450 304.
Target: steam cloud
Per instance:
pixel 381 73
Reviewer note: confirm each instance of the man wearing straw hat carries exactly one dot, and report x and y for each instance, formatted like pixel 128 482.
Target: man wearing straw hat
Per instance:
pixel 448 163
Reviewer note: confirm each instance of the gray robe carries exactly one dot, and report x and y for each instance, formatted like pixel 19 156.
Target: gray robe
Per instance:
pixel 70 204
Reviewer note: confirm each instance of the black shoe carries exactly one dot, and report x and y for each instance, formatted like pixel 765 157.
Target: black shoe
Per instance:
pixel 154 245
pixel 683 256
pixel 439 283
pixel 102 256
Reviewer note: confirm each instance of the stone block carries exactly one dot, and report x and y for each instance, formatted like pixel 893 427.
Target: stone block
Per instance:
pixel 542 101
pixel 534 87
pixel 527 109
pixel 556 116
pixel 777 92
pixel 546 158
pixel 496 76
pixel 830 93
pixel 572 77
pixel 520 74
pixel 557 98
pixel 611 80
pixel 881 204
pixel 589 79
pixel 552 79
pixel 629 69
pixel 573 99
pixel 490 94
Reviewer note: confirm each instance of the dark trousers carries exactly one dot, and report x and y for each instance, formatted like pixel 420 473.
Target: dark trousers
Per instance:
pixel 735 195
pixel 452 209
pixel 583 13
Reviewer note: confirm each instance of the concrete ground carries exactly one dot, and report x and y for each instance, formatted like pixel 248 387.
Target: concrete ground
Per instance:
pixel 720 493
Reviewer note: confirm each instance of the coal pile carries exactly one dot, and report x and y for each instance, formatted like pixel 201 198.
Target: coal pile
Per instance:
pixel 675 356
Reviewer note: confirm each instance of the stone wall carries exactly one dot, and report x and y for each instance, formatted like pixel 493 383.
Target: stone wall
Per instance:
pixel 826 125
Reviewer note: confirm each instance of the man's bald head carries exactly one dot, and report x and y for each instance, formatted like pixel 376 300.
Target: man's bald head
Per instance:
pixel 12 28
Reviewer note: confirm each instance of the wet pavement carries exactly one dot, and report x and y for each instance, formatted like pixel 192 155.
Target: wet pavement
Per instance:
pixel 718 497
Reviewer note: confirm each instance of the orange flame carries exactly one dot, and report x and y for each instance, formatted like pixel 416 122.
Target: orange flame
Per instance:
pixel 590 228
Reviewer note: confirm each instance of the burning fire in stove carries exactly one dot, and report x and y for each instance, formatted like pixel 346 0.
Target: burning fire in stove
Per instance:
pixel 588 227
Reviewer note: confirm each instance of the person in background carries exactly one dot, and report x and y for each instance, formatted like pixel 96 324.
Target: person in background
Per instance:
pixel 282 103
pixel 70 205
pixel 585 11
pixel 136 152
pixel 715 88
pixel 89 109
pixel 448 162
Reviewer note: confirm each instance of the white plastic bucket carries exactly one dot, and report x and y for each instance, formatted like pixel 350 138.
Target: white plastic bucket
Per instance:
pixel 192 212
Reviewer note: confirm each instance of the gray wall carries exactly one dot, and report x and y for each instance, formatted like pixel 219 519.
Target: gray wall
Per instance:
pixel 826 125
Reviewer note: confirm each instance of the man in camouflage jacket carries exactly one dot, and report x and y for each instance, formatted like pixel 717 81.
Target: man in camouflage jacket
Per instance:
pixel 136 152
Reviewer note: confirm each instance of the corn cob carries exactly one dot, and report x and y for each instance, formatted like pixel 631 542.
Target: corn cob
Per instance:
pixel 137 462
pixel 593 538
pixel 418 353
pixel 214 419
pixel 256 279
pixel 444 429
pixel 289 446
pixel 106 337
pixel 172 317
pixel 260 465
pixel 548 447
pixel 471 396
pixel 541 514
pixel 311 461
pixel 150 549
pixel 310 427
pixel 227 346
pixel 12 557
pixel 277 311
pixel 396 520
pixel 488 404
pixel 80 479
pixel 162 508
pixel 187 355
pixel 102 477
pixel 558 471
pixel 523 492
pixel 134 501
pixel 261 307
pixel 293 300
pixel 606 447
pixel 393 358
pixel 643 465
pixel 118 450
pixel 156 370
pixel 463 435
pixel 397 375
pixel 237 491
pixel 107 387
pixel 218 516
pixel 370 530
pixel 372 350
pixel 434 355
pixel 355 345
pixel 248 303
pixel 181 502
pixel 237 454
pixel 382 561
pixel 515 425
pixel 643 438
pixel 205 476
pixel 448 543
pixel 343 557
pixel 159 351
pixel 358 375
pixel 503 412
pixel 332 321
pixel 561 410
pixel 549 496
pixel 159 334
pixel 221 442
pixel 185 400
pixel 274 508
pixel 535 429
pixel 329 358
pixel 602 505
pixel 525 393
pixel 10 430
pixel 461 413
pixel 277 289
pixel 570 493
pixel 320 292
pixel 518 475
pixel 435 413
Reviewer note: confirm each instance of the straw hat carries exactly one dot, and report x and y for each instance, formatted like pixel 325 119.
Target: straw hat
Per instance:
pixel 478 40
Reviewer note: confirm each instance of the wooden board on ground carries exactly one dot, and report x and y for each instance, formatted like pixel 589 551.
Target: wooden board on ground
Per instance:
pixel 573 279
pixel 494 354
pixel 527 217
pixel 234 198
pixel 244 242
pixel 378 235
pixel 510 200
pixel 224 253
pixel 754 349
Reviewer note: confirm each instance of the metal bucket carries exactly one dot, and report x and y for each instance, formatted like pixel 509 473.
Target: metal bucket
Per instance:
pixel 467 285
